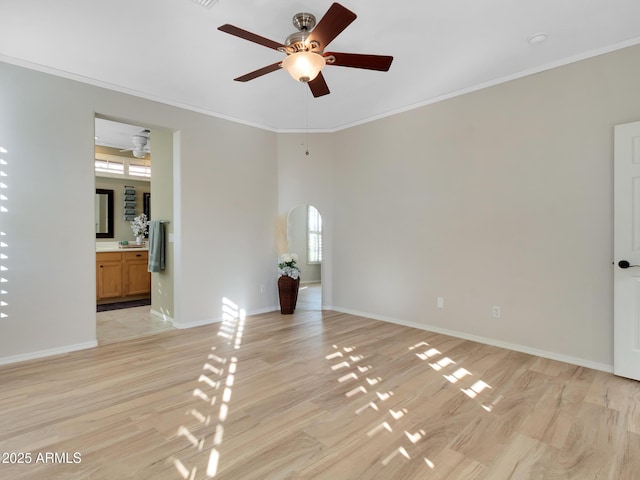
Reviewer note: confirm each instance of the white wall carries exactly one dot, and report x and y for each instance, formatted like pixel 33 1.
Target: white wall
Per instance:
pixel 499 197
pixel 228 206
pixel 162 208
pixel 49 226
pixel 227 198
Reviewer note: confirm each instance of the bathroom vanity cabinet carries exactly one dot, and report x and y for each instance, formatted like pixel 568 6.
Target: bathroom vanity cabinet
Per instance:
pixel 137 280
pixel 122 274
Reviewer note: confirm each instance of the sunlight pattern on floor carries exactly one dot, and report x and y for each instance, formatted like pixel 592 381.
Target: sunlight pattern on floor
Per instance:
pixel 460 374
pixel 367 384
pixel 406 432
pixel 214 390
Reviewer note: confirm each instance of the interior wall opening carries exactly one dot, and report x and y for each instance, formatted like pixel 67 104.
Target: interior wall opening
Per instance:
pixel 304 237
pixel 123 175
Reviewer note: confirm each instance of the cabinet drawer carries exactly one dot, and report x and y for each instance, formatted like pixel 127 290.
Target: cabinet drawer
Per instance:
pixel 108 256
pixel 136 255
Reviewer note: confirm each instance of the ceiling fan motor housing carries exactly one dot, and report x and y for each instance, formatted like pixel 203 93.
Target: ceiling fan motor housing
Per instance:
pixel 304 22
pixel 297 41
pixel 139 140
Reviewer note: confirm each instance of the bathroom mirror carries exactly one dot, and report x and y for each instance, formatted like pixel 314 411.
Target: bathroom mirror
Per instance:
pixel 104 213
pixel 146 204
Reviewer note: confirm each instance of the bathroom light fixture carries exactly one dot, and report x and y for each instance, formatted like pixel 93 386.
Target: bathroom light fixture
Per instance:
pixel 304 66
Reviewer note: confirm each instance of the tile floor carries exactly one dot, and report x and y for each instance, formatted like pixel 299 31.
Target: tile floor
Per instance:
pixel 127 324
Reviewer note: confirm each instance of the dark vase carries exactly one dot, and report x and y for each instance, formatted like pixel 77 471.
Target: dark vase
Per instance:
pixel 288 290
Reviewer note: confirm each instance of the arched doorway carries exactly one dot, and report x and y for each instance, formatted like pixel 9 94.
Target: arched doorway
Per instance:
pixel 304 237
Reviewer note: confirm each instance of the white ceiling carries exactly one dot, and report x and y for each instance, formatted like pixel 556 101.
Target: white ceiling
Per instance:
pixel 116 134
pixel 171 50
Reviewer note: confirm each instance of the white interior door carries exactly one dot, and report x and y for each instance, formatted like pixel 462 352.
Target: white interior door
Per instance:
pixel 626 346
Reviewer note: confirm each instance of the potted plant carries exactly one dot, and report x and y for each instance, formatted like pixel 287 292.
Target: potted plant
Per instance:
pixel 139 226
pixel 288 283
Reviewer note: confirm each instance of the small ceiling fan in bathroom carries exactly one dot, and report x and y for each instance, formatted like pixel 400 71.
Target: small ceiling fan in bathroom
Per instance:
pixel 141 145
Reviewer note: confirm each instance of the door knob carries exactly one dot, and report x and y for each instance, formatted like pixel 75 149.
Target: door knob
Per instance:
pixel 626 264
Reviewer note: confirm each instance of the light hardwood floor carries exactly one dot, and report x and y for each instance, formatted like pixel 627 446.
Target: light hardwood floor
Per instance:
pixel 315 395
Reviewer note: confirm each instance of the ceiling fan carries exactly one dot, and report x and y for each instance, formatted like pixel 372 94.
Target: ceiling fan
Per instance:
pixel 140 144
pixel 305 49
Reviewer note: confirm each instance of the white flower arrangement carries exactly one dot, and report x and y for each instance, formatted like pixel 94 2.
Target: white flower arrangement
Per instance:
pixel 139 225
pixel 287 265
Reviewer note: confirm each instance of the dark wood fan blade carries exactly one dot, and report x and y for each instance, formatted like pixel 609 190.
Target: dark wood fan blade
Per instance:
pixel 252 37
pixel 319 86
pixel 357 60
pixel 258 73
pixel 331 25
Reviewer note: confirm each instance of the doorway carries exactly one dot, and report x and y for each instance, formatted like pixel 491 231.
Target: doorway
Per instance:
pixel 626 344
pixel 124 286
pixel 304 237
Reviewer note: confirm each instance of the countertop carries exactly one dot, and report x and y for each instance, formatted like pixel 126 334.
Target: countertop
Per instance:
pixel 115 247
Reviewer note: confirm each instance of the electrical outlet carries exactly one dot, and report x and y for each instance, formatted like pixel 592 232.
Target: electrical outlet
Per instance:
pixel 496 311
pixel 440 302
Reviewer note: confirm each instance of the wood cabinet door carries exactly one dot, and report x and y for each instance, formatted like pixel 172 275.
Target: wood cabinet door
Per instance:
pixel 109 279
pixel 136 275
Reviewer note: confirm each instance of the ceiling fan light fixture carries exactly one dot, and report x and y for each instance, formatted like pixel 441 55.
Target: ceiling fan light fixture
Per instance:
pixel 139 152
pixel 304 66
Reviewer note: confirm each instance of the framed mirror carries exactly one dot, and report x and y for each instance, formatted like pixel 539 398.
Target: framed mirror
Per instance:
pixel 146 204
pixel 104 213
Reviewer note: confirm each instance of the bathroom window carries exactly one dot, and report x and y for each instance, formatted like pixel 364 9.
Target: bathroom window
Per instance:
pixel 115 166
pixel 109 166
pixel 314 235
pixel 139 168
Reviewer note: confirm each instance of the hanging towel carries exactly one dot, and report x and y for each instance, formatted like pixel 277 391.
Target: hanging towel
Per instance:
pixel 129 191
pixel 129 198
pixel 156 246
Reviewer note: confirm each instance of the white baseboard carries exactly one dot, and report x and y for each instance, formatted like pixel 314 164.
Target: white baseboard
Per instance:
pixel 581 362
pixel 83 346
pixel 197 323
pixel 161 316
pixel 210 321
pixel 47 353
